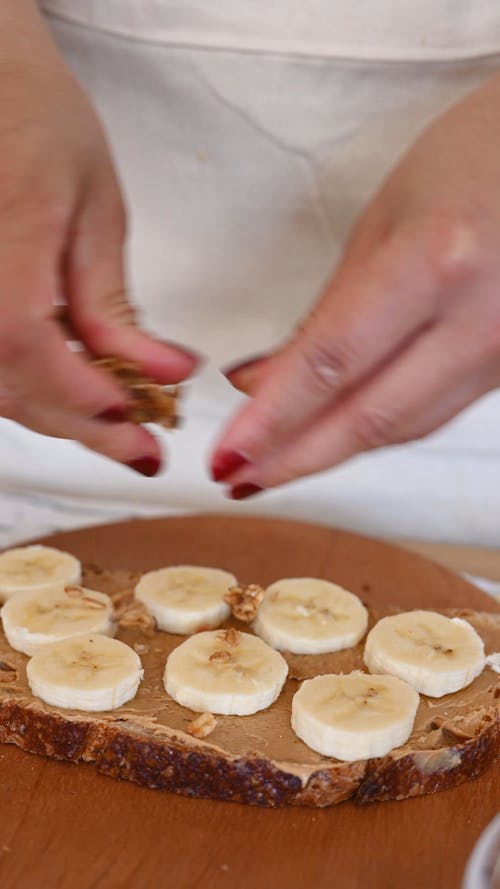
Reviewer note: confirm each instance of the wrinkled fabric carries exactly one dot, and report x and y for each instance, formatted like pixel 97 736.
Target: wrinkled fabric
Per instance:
pixel 248 138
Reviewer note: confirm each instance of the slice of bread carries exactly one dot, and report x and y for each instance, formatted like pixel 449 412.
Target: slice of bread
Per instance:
pixel 253 759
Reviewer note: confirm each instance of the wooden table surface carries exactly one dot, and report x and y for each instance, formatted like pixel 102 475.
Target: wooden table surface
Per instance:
pixel 65 826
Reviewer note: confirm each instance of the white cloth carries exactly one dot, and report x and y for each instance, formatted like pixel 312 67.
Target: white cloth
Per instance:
pixel 248 137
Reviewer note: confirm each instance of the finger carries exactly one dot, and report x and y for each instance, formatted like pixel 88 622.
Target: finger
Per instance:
pixel 43 384
pixel 367 315
pixel 38 367
pixel 125 443
pixel 52 390
pixel 98 306
pixel 245 376
pixel 426 386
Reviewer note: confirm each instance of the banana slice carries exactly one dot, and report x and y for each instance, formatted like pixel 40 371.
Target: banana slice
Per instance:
pixel 87 672
pixel 184 598
pixel 305 615
pixel 225 672
pixel 36 567
pixel 437 655
pixel 355 715
pixel 33 620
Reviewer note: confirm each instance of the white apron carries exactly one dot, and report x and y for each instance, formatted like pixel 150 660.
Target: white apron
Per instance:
pixel 248 137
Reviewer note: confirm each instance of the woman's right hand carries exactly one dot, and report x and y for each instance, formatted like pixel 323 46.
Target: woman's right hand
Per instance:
pixel 62 229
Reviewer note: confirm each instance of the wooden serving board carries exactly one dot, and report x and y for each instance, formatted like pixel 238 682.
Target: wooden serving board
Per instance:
pixel 65 826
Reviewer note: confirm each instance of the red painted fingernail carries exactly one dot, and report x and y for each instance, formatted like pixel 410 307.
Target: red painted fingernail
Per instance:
pixel 235 369
pixel 246 489
pixel 115 414
pixel 147 466
pixel 225 463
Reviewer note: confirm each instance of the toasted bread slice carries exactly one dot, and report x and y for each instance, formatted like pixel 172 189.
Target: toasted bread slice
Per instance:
pixel 253 759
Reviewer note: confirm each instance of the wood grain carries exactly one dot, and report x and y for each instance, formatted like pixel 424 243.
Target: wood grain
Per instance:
pixel 67 827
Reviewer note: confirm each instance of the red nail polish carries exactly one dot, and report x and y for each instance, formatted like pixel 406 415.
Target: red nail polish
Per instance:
pixel 147 466
pixel 115 414
pixel 243 365
pixel 225 463
pixel 246 489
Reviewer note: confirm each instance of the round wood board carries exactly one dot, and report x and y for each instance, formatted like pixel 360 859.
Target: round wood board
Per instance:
pixel 67 826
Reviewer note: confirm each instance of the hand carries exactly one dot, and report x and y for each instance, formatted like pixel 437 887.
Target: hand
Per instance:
pixel 408 331
pixel 62 228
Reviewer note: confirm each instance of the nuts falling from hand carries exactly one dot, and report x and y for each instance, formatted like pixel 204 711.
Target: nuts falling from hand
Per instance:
pixel 244 601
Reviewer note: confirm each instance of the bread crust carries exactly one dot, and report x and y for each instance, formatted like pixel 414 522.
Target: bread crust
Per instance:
pixel 197 771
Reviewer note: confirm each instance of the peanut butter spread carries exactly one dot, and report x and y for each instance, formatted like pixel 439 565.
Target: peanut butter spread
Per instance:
pixel 441 724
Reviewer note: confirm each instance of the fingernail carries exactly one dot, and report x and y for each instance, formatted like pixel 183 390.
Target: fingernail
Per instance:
pixel 147 466
pixel 117 413
pixel 235 369
pixel 225 463
pixel 247 489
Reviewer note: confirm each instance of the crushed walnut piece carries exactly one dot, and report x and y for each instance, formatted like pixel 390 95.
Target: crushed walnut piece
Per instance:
pixel 74 592
pixel 244 601
pixel 231 636
pixel 149 402
pixel 7 673
pixel 133 613
pixel 8 677
pixel 123 598
pixel 220 657
pixel 453 734
pixel 202 725
pixel 153 404
pixel 78 592
pixel 93 603
pixel 141 648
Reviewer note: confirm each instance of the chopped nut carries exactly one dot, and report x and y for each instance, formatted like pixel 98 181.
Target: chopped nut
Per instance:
pixel 436 723
pixel 132 613
pixel 93 603
pixel 453 734
pixel 231 636
pixel 149 402
pixel 202 725
pixel 220 657
pixel 123 599
pixel 7 673
pixel 244 601
pixel 153 404
pixel 78 592
pixel 74 592
pixel 8 677
pixel 140 648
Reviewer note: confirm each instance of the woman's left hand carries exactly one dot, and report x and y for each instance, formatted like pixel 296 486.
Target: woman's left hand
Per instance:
pixel 408 331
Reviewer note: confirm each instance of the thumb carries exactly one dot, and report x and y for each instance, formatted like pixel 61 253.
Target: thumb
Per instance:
pixel 245 375
pixel 366 315
pixel 98 308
